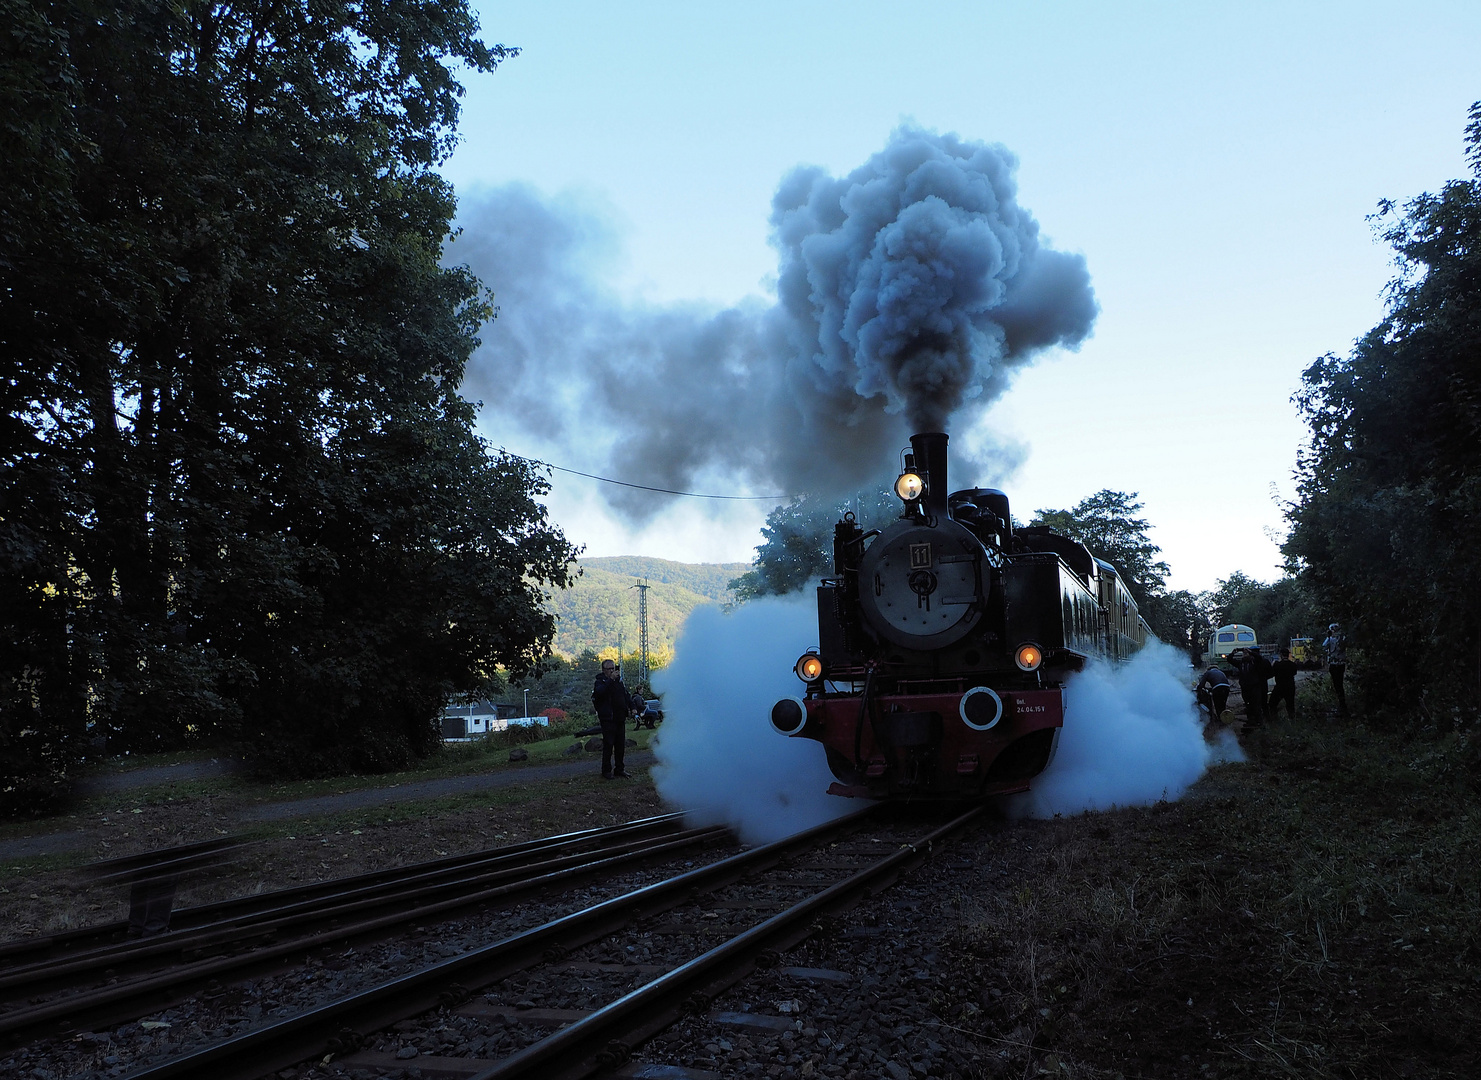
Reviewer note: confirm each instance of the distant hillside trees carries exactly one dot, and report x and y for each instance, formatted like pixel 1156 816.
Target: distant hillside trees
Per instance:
pixel 240 497
pixel 599 609
pixel 1386 526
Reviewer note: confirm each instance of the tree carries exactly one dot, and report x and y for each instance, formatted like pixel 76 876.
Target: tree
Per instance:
pixel 1180 618
pixel 242 498
pixel 1106 523
pixel 797 545
pixel 1387 518
pixel 1277 611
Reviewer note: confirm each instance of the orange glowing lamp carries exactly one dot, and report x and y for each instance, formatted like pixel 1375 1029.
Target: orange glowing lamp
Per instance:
pixel 1028 657
pixel 809 667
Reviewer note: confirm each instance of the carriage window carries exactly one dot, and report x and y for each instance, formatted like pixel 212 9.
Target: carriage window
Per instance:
pixel 1244 635
pixel 1226 637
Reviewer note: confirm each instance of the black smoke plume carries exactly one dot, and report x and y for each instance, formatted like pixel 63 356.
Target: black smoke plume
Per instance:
pixel 908 292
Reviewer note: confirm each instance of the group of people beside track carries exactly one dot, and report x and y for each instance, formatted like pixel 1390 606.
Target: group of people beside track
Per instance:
pixel 1254 672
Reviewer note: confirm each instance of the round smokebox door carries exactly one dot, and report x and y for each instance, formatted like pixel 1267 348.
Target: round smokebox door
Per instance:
pixel 918 585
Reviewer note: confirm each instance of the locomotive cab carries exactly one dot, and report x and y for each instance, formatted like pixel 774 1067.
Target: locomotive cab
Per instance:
pixel 945 640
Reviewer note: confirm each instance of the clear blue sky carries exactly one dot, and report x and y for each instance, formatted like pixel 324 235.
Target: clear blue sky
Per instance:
pixel 1214 164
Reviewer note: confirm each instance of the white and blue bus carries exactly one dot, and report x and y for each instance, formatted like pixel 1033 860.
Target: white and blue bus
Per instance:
pixel 1226 639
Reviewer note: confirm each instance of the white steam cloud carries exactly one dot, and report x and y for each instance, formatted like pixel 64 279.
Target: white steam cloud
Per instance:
pixel 717 753
pixel 908 292
pixel 1132 736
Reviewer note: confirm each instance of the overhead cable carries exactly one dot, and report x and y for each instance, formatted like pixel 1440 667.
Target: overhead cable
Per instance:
pixel 645 487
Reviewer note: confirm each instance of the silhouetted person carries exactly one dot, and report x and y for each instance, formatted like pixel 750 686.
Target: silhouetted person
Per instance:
pixel 1284 671
pixel 1254 673
pixel 610 700
pixel 1335 650
pixel 1213 691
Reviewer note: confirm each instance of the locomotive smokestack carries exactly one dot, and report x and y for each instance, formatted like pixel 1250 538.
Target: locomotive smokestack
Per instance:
pixel 930 458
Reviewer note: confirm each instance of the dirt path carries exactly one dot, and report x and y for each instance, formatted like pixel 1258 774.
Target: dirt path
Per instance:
pixel 154 776
pixel 322 805
pixel 234 817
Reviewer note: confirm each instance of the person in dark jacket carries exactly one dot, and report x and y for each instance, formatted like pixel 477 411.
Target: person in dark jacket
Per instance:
pixel 1213 691
pixel 1254 674
pixel 1335 650
pixel 1284 671
pixel 610 700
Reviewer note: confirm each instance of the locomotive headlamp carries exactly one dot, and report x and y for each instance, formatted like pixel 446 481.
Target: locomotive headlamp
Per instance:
pixel 809 667
pixel 909 486
pixel 1028 657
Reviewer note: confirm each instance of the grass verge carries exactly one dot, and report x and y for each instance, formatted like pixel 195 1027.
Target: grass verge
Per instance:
pixel 1311 913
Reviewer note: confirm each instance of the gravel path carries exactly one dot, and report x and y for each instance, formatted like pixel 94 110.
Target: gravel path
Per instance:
pixel 319 806
pixel 133 779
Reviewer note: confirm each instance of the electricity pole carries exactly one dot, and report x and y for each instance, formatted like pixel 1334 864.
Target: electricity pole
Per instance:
pixel 642 587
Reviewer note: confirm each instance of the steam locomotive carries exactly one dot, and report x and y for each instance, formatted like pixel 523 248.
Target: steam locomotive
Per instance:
pixel 946 640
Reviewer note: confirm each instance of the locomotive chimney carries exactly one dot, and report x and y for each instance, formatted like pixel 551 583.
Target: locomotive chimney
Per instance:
pixel 930 458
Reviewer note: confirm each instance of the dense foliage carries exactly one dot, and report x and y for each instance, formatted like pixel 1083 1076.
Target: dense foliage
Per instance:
pixel 1387 520
pixel 241 497
pixel 1278 610
pixel 1107 524
pixel 797 540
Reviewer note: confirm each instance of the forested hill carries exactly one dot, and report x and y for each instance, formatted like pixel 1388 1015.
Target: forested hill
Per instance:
pixel 602 603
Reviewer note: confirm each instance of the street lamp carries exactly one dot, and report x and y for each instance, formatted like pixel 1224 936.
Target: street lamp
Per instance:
pixel 527 702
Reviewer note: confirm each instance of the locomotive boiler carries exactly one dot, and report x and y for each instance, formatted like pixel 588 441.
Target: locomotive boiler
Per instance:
pixel 945 642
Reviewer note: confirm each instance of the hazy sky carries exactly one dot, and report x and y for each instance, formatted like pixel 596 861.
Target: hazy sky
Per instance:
pixel 1213 163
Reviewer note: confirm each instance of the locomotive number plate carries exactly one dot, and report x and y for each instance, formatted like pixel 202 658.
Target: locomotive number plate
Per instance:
pixel 920 556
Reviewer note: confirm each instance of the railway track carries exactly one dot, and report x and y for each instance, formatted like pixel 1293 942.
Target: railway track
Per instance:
pixel 91 978
pixel 578 995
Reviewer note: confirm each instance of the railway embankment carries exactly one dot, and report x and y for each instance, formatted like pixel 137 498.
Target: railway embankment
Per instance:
pixel 1310 911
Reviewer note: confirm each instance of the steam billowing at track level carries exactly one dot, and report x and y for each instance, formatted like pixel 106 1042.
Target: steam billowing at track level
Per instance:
pixel 908 292
pixel 1132 737
pixel 715 756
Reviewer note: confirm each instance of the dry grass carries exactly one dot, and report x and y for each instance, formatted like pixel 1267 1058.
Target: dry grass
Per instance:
pixel 1312 913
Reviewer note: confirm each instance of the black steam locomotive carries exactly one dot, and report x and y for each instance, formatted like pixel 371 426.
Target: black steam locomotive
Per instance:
pixel 946 639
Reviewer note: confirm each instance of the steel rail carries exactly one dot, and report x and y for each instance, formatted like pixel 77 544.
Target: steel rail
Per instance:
pixel 339 1026
pixel 219 910
pixel 139 997
pixel 28 980
pixel 605 1039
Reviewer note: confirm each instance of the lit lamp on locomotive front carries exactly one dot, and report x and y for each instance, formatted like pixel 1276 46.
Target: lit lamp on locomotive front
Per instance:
pixel 945 641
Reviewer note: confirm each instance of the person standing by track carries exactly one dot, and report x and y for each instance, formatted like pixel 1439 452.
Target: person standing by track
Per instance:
pixel 1285 684
pixel 1254 674
pixel 1335 650
pixel 610 700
